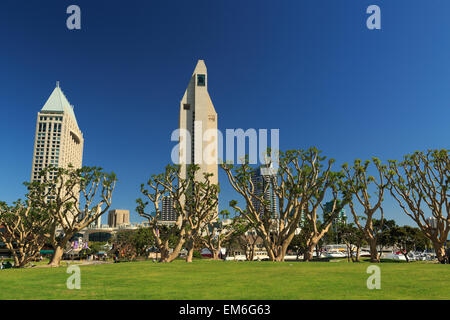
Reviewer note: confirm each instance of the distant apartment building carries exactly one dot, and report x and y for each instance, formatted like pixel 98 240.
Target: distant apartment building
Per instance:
pixel 58 139
pixel 262 179
pixel 118 217
pixel 167 210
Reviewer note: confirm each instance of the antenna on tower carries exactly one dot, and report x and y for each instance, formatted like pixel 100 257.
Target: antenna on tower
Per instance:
pixel 57 84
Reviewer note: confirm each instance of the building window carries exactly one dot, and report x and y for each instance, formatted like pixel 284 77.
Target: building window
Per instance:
pixel 187 106
pixel 201 80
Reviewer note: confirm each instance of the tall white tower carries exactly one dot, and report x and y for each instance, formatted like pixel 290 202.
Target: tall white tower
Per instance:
pixel 199 119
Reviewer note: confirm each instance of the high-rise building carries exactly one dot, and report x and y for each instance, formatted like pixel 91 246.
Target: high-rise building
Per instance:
pixel 262 179
pixel 199 118
pixel 198 128
pixel 118 217
pixel 341 217
pixel 167 211
pixel 58 139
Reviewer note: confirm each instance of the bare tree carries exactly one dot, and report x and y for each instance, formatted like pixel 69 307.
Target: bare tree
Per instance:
pixel 215 233
pixel 353 238
pixel 357 183
pixel 247 237
pixel 316 230
pixel 23 231
pixel 163 186
pixel 422 182
pixel 299 186
pixel 200 207
pixel 58 193
pixel 194 202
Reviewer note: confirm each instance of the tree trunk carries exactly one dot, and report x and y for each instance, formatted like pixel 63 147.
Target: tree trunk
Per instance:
pixel 269 248
pixel 380 252
pixel 56 258
pixel 176 251
pixel 164 254
pixel 190 255
pixel 247 254
pixel 405 253
pixel 351 253
pixel 215 254
pixel 440 251
pixel 373 251
pixel 190 249
pixel 21 258
pixel 309 253
pixel 16 260
pixel 13 252
pixel 358 252
pixel 284 248
pixel 252 253
pixel 59 249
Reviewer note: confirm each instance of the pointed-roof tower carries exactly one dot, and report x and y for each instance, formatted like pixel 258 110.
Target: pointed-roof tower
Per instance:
pixel 57 102
pixel 197 116
pixel 58 139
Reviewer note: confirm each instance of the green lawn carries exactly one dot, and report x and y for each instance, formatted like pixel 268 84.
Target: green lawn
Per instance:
pixel 205 279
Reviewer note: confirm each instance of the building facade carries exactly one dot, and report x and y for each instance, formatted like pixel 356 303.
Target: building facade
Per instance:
pixel 262 179
pixel 58 139
pixel 341 217
pixel 118 217
pixel 167 210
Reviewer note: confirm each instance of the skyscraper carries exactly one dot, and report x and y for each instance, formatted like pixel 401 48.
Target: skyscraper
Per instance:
pixel 341 217
pixel 58 139
pixel 262 179
pixel 199 119
pixel 167 211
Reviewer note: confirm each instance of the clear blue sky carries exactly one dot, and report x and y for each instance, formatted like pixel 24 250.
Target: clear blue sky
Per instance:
pixel 309 68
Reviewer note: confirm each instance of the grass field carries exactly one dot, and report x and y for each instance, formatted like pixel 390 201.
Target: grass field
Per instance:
pixel 205 279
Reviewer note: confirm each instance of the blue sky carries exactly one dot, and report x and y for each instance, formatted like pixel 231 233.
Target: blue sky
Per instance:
pixel 309 68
